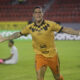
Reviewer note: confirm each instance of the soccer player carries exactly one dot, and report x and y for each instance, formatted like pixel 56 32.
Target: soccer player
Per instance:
pixel 13 58
pixel 42 32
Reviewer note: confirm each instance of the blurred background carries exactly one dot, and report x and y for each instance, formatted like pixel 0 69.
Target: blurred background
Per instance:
pixel 16 14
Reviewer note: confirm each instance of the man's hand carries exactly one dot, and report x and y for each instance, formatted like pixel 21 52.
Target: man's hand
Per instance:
pixel 2 38
pixel 70 31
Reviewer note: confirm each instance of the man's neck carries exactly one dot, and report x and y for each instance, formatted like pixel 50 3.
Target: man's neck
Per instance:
pixel 12 46
pixel 38 23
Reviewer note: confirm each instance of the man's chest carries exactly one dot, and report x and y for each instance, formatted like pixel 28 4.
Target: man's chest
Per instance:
pixel 40 34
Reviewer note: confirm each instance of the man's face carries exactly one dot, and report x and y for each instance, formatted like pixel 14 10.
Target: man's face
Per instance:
pixel 38 14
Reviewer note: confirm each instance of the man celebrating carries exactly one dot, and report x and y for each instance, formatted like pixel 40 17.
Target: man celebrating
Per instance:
pixel 42 32
pixel 14 55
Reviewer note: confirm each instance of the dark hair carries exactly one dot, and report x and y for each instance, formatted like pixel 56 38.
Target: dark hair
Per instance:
pixel 11 41
pixel 37 7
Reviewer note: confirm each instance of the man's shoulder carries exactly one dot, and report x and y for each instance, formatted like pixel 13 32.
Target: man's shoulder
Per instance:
pixel 49 22
pixel 14 48
pixel 29 25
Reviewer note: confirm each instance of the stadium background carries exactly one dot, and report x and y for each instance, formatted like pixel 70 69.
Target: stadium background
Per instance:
pixel 16 14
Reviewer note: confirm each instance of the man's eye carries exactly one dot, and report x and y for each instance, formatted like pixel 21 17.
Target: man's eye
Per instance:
pixel 37 12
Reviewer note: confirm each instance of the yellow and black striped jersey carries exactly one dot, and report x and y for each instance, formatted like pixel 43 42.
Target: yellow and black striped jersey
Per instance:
pixel 43 37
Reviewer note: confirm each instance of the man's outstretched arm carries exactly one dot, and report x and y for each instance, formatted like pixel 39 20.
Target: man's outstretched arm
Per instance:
pixel 13 36
pixel 9 57
pixel 71 31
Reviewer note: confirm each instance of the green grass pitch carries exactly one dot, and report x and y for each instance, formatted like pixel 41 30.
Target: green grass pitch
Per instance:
pixel 69 54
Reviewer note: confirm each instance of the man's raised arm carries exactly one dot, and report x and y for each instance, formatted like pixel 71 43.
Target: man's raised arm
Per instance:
pixel 13 36
pixel 71 31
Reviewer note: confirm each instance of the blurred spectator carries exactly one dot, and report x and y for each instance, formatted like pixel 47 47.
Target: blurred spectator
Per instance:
pixel 22 1
pixel 13 58
pixel 19 2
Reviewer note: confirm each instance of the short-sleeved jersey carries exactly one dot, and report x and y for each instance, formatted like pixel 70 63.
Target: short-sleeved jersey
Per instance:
pixel 43 37
pixel 14 51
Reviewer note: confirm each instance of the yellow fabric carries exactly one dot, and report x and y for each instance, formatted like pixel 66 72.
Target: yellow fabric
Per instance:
pixel 43 37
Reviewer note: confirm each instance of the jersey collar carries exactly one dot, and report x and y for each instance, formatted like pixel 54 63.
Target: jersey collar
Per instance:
pixel 43 22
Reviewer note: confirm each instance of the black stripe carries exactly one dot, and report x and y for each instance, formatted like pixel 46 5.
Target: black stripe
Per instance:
pixel 60 30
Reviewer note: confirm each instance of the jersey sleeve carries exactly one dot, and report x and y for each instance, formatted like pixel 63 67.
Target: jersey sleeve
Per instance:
pixel 56 27
pixel 25 31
